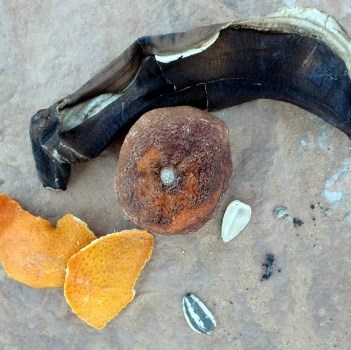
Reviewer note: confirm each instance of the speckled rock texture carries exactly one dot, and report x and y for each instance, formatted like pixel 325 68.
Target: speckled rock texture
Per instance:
pixel 282 156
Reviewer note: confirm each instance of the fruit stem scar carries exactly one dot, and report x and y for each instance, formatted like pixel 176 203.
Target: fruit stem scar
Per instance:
pixel 168 176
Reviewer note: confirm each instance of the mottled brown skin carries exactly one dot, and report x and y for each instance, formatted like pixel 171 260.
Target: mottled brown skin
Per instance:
pixel 192 142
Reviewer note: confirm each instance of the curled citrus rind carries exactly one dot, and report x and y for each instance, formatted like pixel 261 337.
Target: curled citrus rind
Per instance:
pixel 100 278
pixel 32 251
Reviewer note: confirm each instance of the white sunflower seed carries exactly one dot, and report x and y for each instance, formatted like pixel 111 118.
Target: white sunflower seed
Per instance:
pixel 236 217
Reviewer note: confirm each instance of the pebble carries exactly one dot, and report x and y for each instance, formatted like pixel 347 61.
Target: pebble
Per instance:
pixel 280 212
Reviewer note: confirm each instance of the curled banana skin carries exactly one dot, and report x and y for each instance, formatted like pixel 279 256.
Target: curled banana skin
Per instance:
pixel 301 56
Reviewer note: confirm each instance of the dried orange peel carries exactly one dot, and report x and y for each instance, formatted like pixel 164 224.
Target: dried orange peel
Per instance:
pixel 32 251
pixel 100 278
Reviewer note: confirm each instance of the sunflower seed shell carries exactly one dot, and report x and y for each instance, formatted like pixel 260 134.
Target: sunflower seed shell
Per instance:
pixel 236 217
pixel 197 315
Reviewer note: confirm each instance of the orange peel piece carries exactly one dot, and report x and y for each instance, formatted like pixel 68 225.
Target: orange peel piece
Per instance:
pixel 100 278
pixel 32 251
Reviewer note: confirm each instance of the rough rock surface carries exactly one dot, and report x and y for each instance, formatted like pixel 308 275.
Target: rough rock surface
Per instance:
pixel 282 155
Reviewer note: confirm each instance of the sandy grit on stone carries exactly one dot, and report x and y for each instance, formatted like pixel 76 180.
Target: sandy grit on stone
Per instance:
pixel 100 278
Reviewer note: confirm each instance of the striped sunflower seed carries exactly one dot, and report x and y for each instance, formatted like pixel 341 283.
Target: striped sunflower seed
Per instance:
pixel 197 315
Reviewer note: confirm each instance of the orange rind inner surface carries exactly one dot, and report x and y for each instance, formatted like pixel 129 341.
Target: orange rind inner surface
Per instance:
pixel 100 278
pixel 32 251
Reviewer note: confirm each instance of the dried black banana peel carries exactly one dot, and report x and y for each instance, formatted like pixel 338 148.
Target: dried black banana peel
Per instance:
pixel 301 56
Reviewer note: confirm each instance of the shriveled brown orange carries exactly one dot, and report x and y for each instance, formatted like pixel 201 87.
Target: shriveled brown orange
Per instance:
pixel 32 251
pixel 100 278
pixel 173 168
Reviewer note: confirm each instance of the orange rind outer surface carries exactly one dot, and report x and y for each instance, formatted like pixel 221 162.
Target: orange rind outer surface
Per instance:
pixel 32 251
pixel 100 278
